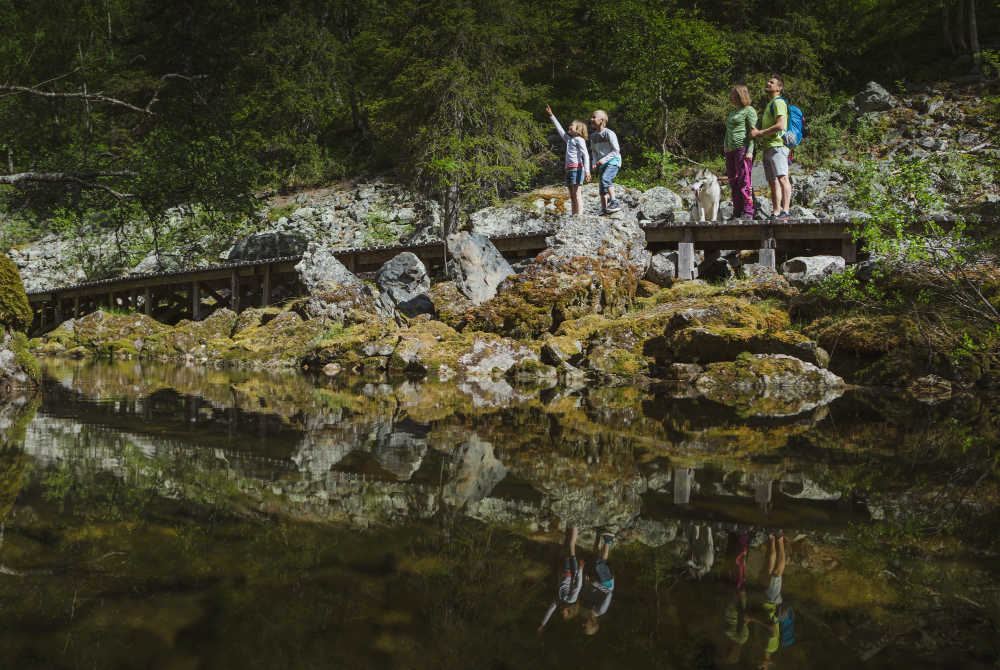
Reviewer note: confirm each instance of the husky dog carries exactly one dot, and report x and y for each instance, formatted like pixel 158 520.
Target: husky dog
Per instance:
pixel 706 195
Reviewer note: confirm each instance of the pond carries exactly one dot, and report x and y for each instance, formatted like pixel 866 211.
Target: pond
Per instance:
pixel 180 517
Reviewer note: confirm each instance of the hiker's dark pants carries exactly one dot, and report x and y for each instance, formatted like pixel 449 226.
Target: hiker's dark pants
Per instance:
pixel 738 168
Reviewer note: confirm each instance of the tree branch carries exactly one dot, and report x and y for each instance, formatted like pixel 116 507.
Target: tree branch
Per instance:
pixel 85 179
pixel 89 97
pixel 6 89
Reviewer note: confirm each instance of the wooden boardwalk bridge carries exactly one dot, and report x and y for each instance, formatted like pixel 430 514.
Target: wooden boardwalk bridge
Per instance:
pixel 195 293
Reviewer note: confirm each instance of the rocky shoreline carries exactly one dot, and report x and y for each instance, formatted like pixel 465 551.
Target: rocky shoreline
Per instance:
pixel 583 311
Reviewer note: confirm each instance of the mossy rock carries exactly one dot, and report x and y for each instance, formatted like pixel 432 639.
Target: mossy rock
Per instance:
pixel 540 299
pixel 15 311
pixel 865 335
pixel 22 355
pixel 105 334
pixel 345 345
pixel 282 341
pixel 450 304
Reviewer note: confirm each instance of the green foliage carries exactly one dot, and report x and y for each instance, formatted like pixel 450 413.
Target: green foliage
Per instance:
pixel 15 311
pixel 651 170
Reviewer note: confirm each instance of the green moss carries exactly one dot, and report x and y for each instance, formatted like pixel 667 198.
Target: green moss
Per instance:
pixel 22 354
pixel 15 311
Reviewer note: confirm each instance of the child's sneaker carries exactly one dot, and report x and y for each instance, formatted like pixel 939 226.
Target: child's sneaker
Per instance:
pixel 614 206
pixel 608 538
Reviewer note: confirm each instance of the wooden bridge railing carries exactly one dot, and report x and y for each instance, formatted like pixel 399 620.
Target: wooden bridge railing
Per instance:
pixel 194 293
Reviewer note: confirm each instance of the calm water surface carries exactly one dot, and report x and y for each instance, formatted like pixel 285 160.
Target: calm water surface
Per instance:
pixel 165 517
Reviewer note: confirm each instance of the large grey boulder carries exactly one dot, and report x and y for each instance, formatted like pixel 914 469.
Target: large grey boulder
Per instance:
pixel 319 270
pixel 335 293
pixel 659 203
pixel 404 281
pixel 874 98
pixel 268 244
pixel 610 242
pixel 662 268
pixel 804 271
pixel 478 266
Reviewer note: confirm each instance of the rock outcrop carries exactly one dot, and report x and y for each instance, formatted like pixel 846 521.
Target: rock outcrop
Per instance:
pixel 404 281
pixel 335 293
pixel 477 266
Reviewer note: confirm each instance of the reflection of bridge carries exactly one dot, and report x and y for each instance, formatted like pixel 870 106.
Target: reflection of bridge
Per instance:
pixel 194 293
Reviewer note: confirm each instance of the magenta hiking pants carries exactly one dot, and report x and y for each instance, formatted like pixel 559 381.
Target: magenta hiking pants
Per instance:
pixel 738 169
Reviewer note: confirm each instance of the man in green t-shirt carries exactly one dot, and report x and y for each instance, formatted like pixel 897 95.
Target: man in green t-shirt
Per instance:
pixel 774 123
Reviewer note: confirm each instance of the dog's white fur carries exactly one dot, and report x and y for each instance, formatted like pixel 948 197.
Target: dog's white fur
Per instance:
pixel 707 195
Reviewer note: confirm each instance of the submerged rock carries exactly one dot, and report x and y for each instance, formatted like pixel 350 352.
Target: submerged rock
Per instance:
pixel 769 385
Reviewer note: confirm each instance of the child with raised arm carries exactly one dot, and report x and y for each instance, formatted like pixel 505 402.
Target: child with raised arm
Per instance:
pixel 577 163
pixel 570 582
pixel 606 159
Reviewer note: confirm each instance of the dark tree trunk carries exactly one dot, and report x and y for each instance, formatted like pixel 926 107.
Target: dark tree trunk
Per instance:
pixel 666 135
pixel 946 26
pixel 452 206
pixel 977 55
pixel 960 27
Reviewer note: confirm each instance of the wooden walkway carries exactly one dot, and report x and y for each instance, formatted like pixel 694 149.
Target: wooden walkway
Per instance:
pixel 193 294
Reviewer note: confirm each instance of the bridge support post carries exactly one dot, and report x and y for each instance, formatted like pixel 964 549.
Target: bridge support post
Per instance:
pixel 849 250
pixel 685 256
pixel 147 302
pixel 133 301
pixel 767 252
pixel 234 286
pixel 265 287
pixel 59 312
pixel 76 306
pixel 195 301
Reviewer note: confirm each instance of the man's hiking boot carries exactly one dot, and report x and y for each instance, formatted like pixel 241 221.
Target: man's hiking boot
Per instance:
pixel 614 206
pixel 784 216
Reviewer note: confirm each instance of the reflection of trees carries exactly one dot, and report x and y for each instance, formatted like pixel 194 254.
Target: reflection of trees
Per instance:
pixel 14 419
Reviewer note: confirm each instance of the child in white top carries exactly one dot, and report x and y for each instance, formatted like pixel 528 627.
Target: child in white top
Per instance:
pixel 577 158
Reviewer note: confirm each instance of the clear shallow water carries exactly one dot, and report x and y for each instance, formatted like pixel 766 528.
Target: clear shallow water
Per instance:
pixel 176 517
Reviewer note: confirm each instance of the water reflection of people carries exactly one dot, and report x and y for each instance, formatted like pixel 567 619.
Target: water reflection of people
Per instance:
pixel 736 623
pixel 570 582
pixel 702 554
pixel 773 609
pixel 599 587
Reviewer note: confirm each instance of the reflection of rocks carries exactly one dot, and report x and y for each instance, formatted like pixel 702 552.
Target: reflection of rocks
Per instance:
pixel 476 471
pixel 401 452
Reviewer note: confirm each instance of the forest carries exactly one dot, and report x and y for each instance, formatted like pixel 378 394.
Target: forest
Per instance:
pixel 118 110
